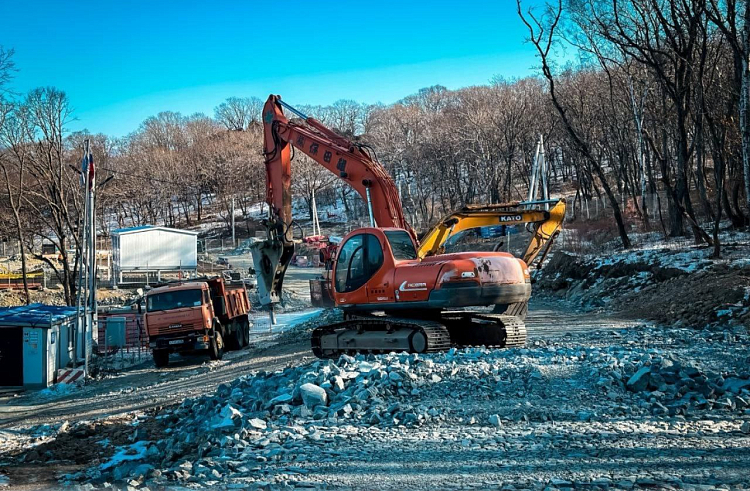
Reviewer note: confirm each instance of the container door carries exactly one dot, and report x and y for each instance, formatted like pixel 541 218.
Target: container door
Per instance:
pixel 11 357
pixel 33 360
pixel 53 343
pixel 65 348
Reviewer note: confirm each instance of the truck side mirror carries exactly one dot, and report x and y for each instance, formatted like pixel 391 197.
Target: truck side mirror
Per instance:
pixel 140 306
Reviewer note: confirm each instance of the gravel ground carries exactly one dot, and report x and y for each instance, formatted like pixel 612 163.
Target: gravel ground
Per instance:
pixel 593 402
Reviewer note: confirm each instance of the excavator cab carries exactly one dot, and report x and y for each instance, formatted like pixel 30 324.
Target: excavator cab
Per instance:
pixel 359 259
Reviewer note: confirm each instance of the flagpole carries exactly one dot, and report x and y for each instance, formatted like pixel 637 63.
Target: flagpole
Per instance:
pixel 93 322
pixel 84 314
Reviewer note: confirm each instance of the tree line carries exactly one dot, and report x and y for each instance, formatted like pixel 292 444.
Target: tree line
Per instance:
pixel 654 104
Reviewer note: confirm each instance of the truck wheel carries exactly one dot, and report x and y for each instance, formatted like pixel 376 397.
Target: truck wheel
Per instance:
pixel 214 351
pixel 239 336
pixel 161 358
pixel 242 341
pixel 246 329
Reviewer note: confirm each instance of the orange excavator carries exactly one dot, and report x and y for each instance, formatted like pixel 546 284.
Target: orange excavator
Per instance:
pixel 392 299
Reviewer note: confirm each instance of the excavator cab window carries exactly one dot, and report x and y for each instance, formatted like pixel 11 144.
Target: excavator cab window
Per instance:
pixel 401 244
pixel 359 259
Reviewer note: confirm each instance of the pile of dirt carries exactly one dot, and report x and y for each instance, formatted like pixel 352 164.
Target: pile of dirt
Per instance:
pixel 56 296
pixel 12 298
pixel 51 451
pixel 657 288
pixel 712 296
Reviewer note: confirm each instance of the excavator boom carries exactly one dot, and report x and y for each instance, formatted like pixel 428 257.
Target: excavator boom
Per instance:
pixel 545 223
pixel 349 161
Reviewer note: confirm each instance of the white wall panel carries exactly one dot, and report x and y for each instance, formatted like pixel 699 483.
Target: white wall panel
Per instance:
pixel 156 249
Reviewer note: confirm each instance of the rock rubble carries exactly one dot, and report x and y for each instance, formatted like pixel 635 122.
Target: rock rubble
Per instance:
pixel 556 410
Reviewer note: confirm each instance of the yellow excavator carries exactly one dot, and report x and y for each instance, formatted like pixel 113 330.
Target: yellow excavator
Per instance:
pixel 545 225
pixel 543 219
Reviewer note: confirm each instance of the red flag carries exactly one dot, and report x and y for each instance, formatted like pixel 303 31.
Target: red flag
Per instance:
pixel 92 173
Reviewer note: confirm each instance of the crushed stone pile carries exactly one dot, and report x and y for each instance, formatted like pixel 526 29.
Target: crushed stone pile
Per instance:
pixel 674 388
pixel 290 301
pixel 549 401
pixel 12 298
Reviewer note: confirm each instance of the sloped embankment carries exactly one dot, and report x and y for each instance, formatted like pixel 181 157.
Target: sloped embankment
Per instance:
pixel 680 287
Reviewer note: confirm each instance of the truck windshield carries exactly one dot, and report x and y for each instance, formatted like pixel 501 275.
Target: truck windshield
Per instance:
pixel 174 300
pixel 401 244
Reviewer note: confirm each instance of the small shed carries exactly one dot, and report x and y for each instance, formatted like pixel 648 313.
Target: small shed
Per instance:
pixel 147 251
pixel 35 340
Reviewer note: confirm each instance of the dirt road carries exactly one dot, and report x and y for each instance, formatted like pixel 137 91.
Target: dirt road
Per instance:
pixel 144 387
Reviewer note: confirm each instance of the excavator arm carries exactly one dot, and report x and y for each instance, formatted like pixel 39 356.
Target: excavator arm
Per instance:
pixel 349 161
pixel 545 223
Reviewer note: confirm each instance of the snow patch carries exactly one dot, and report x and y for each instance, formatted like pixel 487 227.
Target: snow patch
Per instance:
pixel 59 390
pixel 136 451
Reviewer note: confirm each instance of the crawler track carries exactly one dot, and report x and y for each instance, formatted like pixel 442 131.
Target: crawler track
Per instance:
pixel 372 334
pixel 382 334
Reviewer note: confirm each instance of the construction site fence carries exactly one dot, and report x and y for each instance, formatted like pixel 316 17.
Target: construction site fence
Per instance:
pixel 14 281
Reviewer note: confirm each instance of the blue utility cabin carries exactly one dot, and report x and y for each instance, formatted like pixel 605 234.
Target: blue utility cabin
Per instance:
pixel 35 340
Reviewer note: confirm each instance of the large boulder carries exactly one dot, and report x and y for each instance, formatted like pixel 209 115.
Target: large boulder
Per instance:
pixel 640 379
pixel 313 395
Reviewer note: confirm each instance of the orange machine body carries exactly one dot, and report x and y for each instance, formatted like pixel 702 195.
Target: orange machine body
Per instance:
pixel 368 275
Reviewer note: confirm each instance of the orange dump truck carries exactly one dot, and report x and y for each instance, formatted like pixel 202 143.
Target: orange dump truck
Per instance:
pixel 201 315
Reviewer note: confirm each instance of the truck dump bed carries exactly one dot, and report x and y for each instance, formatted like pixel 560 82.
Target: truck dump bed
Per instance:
pixel 230 300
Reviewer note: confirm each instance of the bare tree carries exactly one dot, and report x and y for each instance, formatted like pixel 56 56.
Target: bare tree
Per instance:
pixel 237 113
pixel 542 36
pixel 309 178
pixel 732 17
pixel 13 161
pixel 7 67
pixel 53 197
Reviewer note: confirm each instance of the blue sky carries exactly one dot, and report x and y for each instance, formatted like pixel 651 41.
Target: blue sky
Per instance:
pixel 123 61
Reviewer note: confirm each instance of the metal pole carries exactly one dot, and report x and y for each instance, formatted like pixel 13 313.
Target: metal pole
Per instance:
pixel 315 223
pixel 93 317
pixel 234 243
pixel 543 171
pixel 82 296
pixel 93 275
pixel 83 276
pixel 534 173
pixel 369 207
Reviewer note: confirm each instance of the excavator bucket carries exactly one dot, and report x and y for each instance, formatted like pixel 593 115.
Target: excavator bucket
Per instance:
pixel 545 233
pixel 271 257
